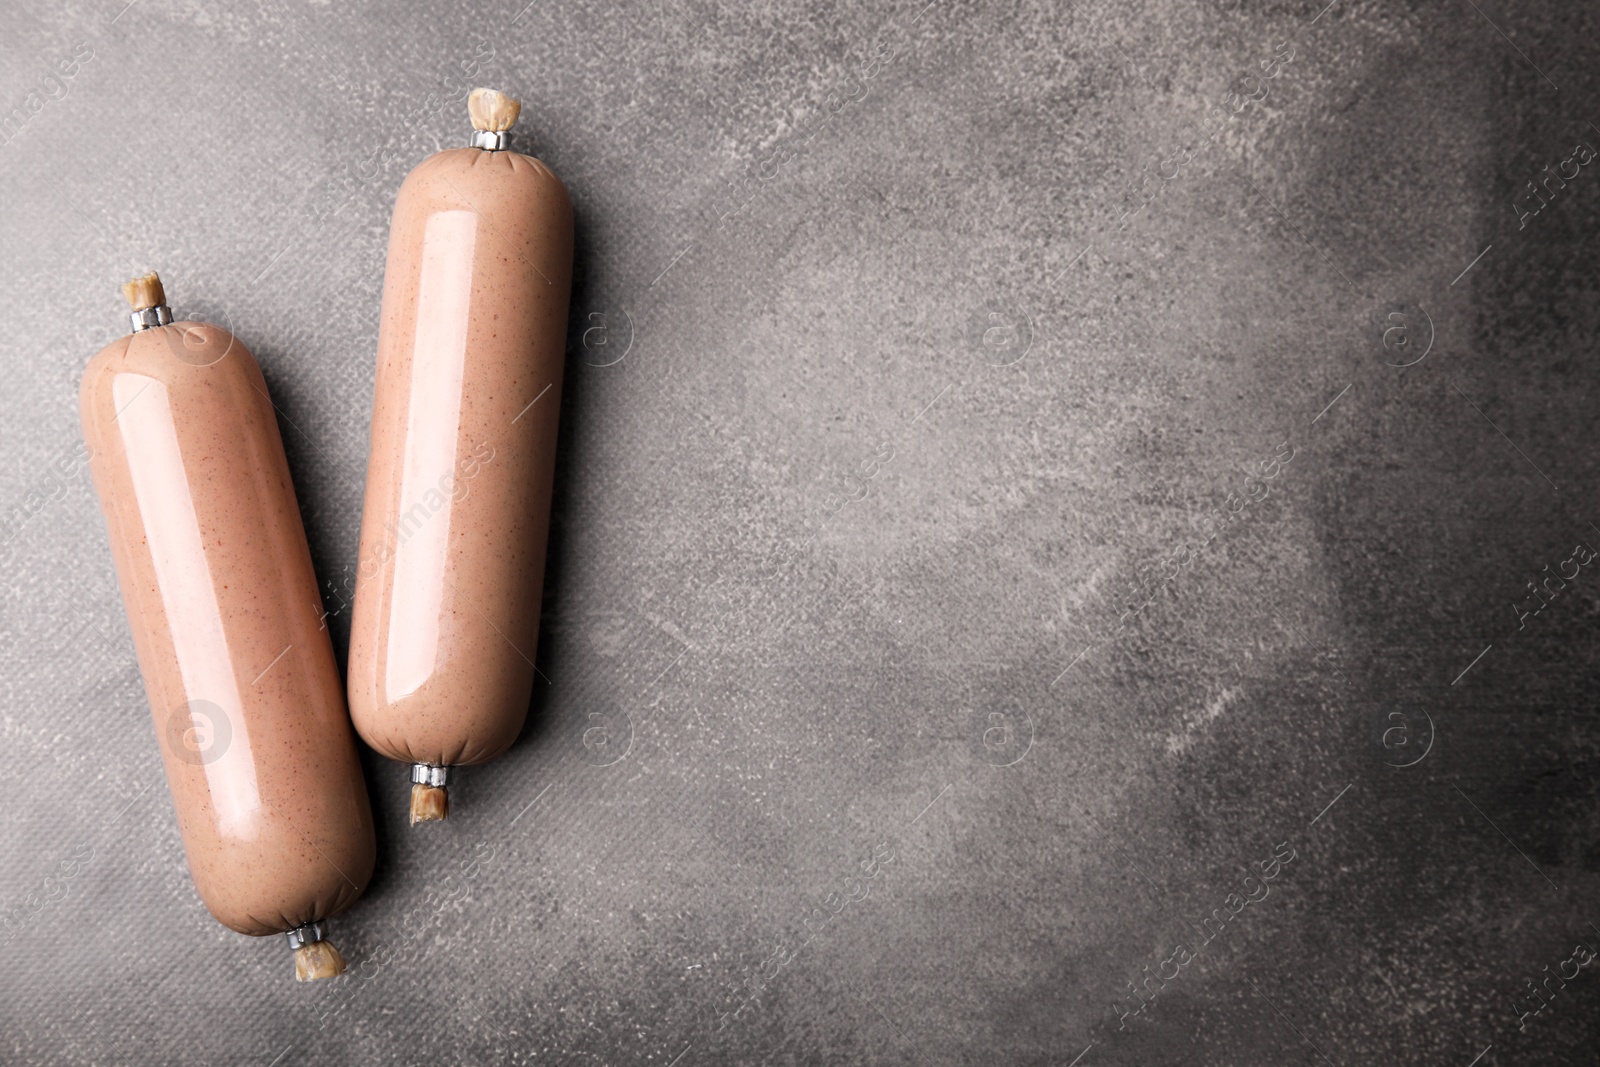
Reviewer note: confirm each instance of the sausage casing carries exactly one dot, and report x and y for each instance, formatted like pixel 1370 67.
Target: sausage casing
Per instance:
pixel 223 604
pixel 470 353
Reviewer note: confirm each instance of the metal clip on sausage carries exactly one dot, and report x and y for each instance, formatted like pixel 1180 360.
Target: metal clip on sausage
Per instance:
pixel 149 318
pixel 490 140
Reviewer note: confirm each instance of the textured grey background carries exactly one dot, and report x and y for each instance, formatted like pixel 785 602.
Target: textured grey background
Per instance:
pixel 870 549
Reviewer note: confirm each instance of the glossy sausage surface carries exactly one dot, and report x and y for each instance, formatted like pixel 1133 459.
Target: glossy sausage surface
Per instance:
pixel 226 617
pixel 470 352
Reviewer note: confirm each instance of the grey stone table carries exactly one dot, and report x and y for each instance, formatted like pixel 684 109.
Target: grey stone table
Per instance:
pixel 1072 538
